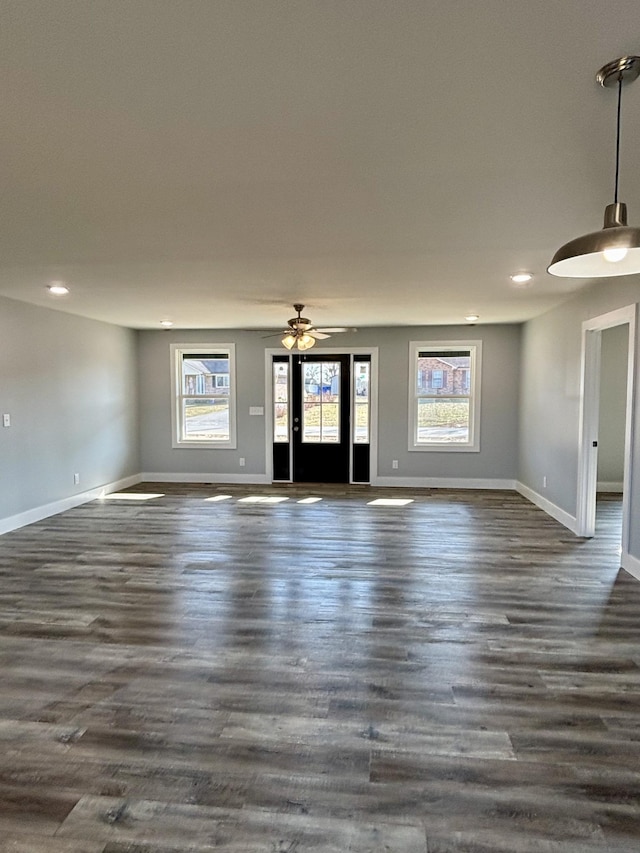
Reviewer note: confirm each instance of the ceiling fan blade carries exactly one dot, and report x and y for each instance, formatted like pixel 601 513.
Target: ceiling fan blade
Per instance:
pixel 316 333
pixel 333 330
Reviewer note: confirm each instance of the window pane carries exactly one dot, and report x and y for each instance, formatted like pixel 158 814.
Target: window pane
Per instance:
pixel 331 381
pixel 443 374
pixel 281 423
pixel 321 393
pixel 361 385
pixel 205 375
pixel 312 381
pixel 362 381
pixel 281 382
pixel 311 422
pixel 330 422
pixel 443 421
pixel 206 419
pixel 281 402
pixel 361 429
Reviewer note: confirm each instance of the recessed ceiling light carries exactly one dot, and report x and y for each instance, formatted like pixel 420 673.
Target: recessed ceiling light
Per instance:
pixel 472 318
pixel 167 324
pixel 58 288
pixel 521 277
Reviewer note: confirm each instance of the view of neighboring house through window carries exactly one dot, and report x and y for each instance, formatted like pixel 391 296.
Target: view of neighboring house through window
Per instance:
pixel 445 396
pixel 204 394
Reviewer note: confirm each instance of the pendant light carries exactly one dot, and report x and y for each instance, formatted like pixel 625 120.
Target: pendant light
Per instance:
pixel 615 250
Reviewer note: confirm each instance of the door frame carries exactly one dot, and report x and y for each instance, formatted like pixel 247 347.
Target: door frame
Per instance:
pixel 589 420
pixel 372 352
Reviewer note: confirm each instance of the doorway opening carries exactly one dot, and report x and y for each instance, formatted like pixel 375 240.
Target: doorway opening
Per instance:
pixel 606 421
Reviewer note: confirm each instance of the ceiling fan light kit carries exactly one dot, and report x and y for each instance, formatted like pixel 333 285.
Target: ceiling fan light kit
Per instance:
pixel 614 250
pixel 302 334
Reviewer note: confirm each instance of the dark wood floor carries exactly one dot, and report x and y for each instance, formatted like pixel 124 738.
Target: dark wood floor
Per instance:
pixel 460 674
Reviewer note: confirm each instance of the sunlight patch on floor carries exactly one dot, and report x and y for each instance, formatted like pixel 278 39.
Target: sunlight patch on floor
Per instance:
pixel 261 499
pixel 309 500
pixel 390 502
pixel 217 498
pixel 131 496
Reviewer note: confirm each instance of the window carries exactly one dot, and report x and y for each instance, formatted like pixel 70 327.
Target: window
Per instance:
pixel 203 385
pixel 444 396
pixel 437 379
pixel 321 402
pixel 281 401
pixel 361 401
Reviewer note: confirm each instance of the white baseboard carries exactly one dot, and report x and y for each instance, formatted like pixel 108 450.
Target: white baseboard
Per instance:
pixel 13 522
pixel 547 506
pixel 631 564
pixel 606 486
pixel 238 479
pixel 444 483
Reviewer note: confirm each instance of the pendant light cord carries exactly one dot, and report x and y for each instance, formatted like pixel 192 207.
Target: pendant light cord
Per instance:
pixel 615 198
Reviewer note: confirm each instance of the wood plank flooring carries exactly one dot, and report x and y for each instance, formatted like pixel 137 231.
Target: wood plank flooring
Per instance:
pixel 460 675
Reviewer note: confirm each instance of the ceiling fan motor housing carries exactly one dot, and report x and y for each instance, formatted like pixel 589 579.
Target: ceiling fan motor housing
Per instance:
pixel 301 324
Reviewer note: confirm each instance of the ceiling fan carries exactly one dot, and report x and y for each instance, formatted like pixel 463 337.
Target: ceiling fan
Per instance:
pixel 302 334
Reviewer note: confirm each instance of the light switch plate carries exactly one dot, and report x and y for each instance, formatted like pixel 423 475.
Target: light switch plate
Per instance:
pixel 6 420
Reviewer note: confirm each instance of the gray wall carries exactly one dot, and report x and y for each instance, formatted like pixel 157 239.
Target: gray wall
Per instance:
pixel 549 400
pixel 157 455
pixel 613 404
pixel 497 458
pixel 70 387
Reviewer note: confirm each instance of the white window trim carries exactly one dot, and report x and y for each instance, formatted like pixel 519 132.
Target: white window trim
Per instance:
pixel 177 352
pixel 473 445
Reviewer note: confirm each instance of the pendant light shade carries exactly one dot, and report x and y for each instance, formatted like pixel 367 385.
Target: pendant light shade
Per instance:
pixel 615 250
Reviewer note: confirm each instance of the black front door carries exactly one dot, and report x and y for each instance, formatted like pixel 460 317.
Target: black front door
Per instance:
pixel 320 418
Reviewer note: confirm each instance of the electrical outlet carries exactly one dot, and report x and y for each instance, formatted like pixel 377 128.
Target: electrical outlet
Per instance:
pixel 76 479
pixel 241 462
pixel 394 464
pixel 6 420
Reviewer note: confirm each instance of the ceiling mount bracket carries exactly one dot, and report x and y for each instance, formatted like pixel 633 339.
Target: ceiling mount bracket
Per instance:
pixel 625 69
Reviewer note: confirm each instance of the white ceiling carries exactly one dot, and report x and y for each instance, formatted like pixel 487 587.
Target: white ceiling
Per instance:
pixel 386 162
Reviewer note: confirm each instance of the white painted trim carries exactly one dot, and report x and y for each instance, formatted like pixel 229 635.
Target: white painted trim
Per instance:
pixel 473 445
pixel 13 522
pixel 630 564
pixel 177 442
pixel 588 424
pixel 173 477
pixel 605 486
pixel 588 419
pixel 547 506
pixel 444 483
